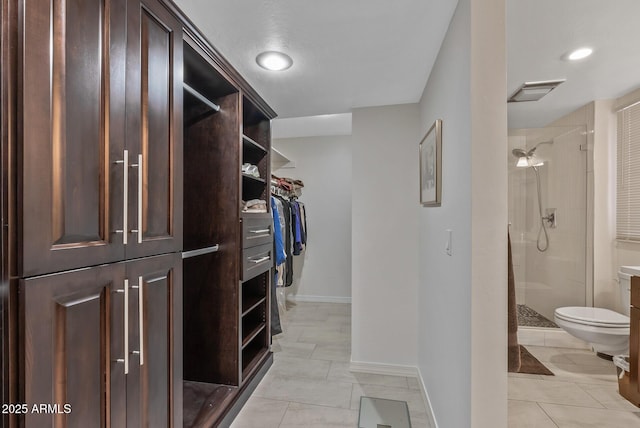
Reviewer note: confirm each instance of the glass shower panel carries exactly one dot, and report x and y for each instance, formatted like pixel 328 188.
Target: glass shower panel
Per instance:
pixel 548 218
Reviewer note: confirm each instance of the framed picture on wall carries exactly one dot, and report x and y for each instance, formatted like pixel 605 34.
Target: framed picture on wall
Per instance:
pixel 431 166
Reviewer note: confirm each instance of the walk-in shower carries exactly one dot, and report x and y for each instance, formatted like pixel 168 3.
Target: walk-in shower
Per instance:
pixel 548 220
pixel 528 159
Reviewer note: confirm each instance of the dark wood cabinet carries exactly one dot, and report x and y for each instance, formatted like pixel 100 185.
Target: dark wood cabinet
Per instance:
pixel 124 132
pixel 100 186
pixel 73 108
pixel 102 341
pixel 154 129
pixel 629 385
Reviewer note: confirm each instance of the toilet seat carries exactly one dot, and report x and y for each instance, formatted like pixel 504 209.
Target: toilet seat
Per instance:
pixel 596 317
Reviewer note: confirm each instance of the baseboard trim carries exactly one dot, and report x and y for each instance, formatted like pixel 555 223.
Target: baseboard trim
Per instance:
pixel 427 401
pixel 318 299
pixel 383 369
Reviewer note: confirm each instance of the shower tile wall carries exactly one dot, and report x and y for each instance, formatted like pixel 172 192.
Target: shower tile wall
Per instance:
pixel 556 277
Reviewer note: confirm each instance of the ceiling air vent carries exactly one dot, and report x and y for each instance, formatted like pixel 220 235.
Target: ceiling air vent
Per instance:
pixel 533 91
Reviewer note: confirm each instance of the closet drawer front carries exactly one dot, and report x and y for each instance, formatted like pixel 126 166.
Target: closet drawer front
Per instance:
pixel 257 229
pixel 256 260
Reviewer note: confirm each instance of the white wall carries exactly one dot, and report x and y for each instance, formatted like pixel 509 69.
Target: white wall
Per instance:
pixel 384 238
pixel 323 271
pixel 462 298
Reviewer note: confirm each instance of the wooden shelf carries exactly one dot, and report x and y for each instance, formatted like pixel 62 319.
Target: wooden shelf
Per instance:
pixel 250 142
pixel 252 303
pixel 205 402
pixel 252 334
pixel 251 358
pixel 252 179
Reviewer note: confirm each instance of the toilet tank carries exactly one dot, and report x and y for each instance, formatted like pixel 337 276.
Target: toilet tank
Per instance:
pixel 624 276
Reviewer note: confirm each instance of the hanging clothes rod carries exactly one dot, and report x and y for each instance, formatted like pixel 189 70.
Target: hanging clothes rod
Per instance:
pixel 201 97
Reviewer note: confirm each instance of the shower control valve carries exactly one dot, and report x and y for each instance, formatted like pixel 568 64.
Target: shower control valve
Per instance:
pixel 550 218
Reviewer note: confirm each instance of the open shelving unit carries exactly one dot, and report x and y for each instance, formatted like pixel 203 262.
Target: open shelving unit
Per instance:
pixel 255 328
pixel 225 273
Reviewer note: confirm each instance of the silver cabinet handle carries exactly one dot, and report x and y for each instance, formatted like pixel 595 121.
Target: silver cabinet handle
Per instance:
pixel 260 231
pixel 260 260
pixel 140 319
pixel 125 196
pixel 140 176
pixel 125 360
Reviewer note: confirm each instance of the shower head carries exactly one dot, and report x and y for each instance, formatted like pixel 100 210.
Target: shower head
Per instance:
pixel 526 158
pixel 519 153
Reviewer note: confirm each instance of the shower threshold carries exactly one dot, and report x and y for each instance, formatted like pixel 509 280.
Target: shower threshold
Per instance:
pixel 528 317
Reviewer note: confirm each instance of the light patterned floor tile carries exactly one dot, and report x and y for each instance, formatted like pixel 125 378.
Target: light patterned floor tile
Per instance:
pixel 261 413
pixel 581 374
pixel 527 414
pixel 331 352
pixel 294 349
pixel 339 371
pixel 413 383
pixel 549 392
pixel 609 397
pixel 322 393
pixel 581 417
pixel 305 415
pixel 300 368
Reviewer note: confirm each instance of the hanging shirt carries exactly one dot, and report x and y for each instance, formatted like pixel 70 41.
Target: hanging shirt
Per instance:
pixel 297 229
pixel 277 233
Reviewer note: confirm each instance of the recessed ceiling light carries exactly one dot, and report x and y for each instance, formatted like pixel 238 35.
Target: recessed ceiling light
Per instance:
pixel 274 61
pixel 580 54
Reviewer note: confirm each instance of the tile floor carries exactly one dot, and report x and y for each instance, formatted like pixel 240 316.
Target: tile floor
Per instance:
pixel 310 385
pixel 583 393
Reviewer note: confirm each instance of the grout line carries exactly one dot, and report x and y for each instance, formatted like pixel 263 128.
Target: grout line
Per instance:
pixel 549 416
pixel 284 414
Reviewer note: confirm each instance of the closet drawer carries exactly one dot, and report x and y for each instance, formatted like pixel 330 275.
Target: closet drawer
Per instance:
pixel 256 260
pixel 257 229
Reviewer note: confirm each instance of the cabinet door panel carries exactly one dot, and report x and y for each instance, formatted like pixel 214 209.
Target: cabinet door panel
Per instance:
pixel 154 137
pixel 74 333
pixel 154 385
pixel 73 115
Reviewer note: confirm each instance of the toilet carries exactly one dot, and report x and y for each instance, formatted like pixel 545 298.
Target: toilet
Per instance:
pixel 606 330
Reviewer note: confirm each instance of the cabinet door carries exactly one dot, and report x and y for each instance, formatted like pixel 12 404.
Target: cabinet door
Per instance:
pixel 74 348
pixel 154 382
pixel 634 351
pixel 72 111
pixel 154 129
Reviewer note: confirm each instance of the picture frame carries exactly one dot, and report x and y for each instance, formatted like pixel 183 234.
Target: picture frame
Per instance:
pixel 431 166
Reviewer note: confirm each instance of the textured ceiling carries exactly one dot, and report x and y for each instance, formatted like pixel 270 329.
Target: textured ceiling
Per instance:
pixel 347 53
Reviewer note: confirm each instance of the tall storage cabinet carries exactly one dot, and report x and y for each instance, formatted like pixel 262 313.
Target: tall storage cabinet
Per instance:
pixel 134 276
pixel 99 185
pixel 99 189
